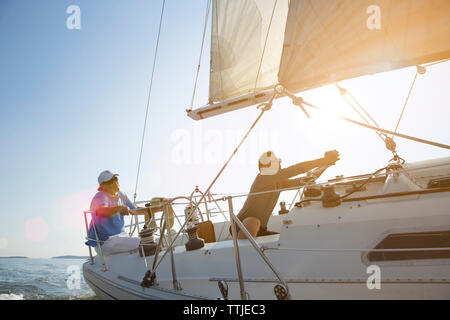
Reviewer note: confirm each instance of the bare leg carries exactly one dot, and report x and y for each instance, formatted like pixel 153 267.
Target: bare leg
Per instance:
pixel 252 225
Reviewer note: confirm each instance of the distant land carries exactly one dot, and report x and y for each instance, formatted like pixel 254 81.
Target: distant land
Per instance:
pixel 14 257
pixel 70 257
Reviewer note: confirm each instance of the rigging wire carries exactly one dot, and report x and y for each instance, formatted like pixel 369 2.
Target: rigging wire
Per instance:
pixel 208 6
pixel 407 97
pixel 265 43
pixel 299 100
pixel 356 101
pixel 148 99
pixel 389 141
pixel 343 92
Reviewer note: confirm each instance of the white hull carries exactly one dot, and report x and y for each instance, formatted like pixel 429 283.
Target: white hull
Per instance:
pixel 321 253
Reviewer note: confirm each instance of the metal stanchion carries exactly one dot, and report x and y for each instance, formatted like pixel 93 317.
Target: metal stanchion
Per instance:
pixel 176 285
pixel 236 250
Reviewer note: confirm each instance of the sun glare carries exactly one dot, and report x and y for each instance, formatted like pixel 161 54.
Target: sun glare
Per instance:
pixel 327 118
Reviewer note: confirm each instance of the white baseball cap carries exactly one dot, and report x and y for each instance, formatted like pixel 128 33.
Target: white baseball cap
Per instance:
pixel 268 163
pixel 106 176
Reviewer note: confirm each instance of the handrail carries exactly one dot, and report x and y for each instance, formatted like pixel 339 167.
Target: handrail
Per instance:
pixel 96 240
pixel 256 246
pixel 244 194
pixel 240 195
pixel 176 285
pixel 236 250
pixel 91 258
pixel 264 248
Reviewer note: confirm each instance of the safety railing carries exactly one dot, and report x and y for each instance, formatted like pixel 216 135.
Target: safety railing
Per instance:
pixel 165 231
pixel 171 242
pixel 97 240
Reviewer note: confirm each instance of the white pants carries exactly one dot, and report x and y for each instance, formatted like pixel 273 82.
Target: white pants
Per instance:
pixel 121 242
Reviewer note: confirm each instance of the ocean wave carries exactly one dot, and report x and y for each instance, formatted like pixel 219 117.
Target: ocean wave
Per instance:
pixel 11 296
pixel 33 279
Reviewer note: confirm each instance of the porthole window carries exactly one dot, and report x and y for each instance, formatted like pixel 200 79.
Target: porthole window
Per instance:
pixel 432 239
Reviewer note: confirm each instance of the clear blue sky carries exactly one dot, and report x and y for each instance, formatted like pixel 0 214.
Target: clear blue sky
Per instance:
pixel 72 104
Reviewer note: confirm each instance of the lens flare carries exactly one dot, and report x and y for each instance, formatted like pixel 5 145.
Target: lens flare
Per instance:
pixel 3 243
pixel 36 229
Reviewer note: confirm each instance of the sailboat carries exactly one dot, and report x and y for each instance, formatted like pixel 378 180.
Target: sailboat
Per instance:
pixel 380 235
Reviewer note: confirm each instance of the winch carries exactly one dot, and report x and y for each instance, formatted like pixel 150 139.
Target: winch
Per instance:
pixel 194 241
pixel 330 198
pixel 147 244
pixel 283 209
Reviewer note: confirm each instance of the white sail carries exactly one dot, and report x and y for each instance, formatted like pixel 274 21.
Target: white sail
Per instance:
pixel 328 41
pixel 325 41
pixel 245 54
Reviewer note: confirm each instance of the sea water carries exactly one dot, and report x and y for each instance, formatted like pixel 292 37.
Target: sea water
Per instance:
pixel 36 279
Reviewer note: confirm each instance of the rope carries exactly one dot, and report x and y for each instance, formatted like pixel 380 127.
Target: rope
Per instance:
pixel 363 184
pixel 362 108
pixel 265 43
pixel 406 101
pixel 343 92
pixel 201 51
pixel 349 193
pixel 148 99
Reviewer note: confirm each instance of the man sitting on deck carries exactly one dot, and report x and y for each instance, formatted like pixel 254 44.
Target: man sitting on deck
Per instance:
pixel 257 208
pixel 109 205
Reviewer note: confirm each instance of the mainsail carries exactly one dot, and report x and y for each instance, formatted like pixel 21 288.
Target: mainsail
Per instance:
pixel 303 44
pixel 328 41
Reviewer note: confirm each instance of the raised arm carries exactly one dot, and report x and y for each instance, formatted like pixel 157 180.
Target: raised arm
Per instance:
pixel 302 167
pixel 291 183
